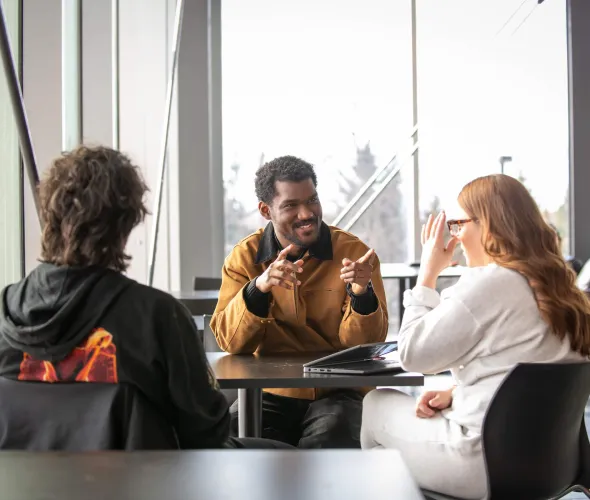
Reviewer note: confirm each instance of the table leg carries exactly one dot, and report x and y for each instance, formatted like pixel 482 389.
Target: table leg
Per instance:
pixel 401 289
pixel 404 284
pixel 249 412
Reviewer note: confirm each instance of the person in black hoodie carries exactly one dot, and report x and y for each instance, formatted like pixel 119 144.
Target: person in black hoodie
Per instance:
pixel 77 318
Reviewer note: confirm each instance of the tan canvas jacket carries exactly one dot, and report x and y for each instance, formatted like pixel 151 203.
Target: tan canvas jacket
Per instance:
pixel 314 317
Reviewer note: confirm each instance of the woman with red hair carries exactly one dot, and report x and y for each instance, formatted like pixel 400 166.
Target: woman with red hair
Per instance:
pixel 517 302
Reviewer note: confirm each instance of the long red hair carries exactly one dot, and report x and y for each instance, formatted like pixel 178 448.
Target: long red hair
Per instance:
pixel 516 236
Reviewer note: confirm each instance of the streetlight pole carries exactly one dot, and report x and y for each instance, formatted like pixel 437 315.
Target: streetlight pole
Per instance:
pixel 504 159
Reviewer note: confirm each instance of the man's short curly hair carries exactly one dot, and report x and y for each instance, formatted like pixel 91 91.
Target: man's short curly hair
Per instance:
pixel 91 199
pixel 283 168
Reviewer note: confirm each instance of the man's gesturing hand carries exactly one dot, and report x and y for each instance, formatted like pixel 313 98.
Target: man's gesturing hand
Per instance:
pixel 358 273
pixel 280 273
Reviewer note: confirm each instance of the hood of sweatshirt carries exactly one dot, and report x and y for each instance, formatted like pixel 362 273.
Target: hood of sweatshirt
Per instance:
pixel 54 308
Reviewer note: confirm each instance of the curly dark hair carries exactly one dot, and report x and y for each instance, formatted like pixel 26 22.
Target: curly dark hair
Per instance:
pixel 91 198
pixel 283 168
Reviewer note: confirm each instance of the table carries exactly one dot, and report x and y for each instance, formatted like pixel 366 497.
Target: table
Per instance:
pixel 198 302
pixel 207 475
pixel 407 276
pixel 252 373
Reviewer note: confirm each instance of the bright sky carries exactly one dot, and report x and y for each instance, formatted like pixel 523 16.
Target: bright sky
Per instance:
pixel 314 78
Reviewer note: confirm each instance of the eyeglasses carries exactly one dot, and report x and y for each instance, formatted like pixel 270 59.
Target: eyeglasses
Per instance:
pixel 455 225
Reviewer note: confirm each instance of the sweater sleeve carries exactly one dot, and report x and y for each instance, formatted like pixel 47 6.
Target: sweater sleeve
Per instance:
pixel 435 333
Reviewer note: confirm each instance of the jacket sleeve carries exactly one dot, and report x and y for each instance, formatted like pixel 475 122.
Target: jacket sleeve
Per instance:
pixel 358 328
pixel 435 334
pixel 237 330
pixel 200 411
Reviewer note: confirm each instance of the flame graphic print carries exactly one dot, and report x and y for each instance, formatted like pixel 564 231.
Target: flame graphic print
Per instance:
pixel 95 360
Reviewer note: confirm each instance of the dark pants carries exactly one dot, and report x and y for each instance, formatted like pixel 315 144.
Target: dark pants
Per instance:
pixel 331 422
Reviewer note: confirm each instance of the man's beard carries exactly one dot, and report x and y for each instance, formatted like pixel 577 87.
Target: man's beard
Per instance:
pixel 292 237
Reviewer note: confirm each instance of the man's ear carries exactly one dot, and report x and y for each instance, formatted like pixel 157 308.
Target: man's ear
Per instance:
pixel 264 210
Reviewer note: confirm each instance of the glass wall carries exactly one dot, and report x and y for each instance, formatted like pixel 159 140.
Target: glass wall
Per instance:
pixel 10 191
pixel 492 79
pixel 328 81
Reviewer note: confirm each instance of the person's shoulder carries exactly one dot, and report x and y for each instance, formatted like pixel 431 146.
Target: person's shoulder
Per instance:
pixel 152 297
pixel 246 248
pixel 148 308
pixel 490 283
pixel 347 244
pixel 492 273
pixel 154 301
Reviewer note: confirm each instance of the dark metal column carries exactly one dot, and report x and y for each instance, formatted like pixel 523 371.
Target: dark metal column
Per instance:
pixel 578 20
pixel 249 412
pixel 164 147
pixel 18 108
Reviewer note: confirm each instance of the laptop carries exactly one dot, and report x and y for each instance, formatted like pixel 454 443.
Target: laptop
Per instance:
pixel 364 359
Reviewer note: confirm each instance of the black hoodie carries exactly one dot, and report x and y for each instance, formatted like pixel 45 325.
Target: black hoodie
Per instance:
pixel 66 324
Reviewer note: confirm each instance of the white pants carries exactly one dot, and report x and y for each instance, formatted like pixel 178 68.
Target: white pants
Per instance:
pixel 441 455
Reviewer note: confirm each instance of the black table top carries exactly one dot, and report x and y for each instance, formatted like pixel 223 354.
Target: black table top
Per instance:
pixel 227 474
pixel 285 372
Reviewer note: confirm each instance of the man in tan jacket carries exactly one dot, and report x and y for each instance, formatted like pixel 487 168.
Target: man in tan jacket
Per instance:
pixel 299 285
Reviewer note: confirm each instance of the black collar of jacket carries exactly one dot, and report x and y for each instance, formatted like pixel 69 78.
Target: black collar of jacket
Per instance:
pixel 269 246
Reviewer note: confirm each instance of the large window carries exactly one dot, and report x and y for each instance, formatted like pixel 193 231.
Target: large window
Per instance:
pixel 331 81
pixel 328 81
pixel 492 79
pixel 10 191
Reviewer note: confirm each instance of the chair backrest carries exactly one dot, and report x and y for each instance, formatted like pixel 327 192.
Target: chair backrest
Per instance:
pixel 534 437
pixel 209 342
pixel 206 283
pixel 210 345
pixel 41 416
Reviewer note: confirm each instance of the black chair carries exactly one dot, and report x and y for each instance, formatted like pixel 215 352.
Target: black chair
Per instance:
pixel 206 283
pixel 534 437
pixel 209 342
pixel 82 416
